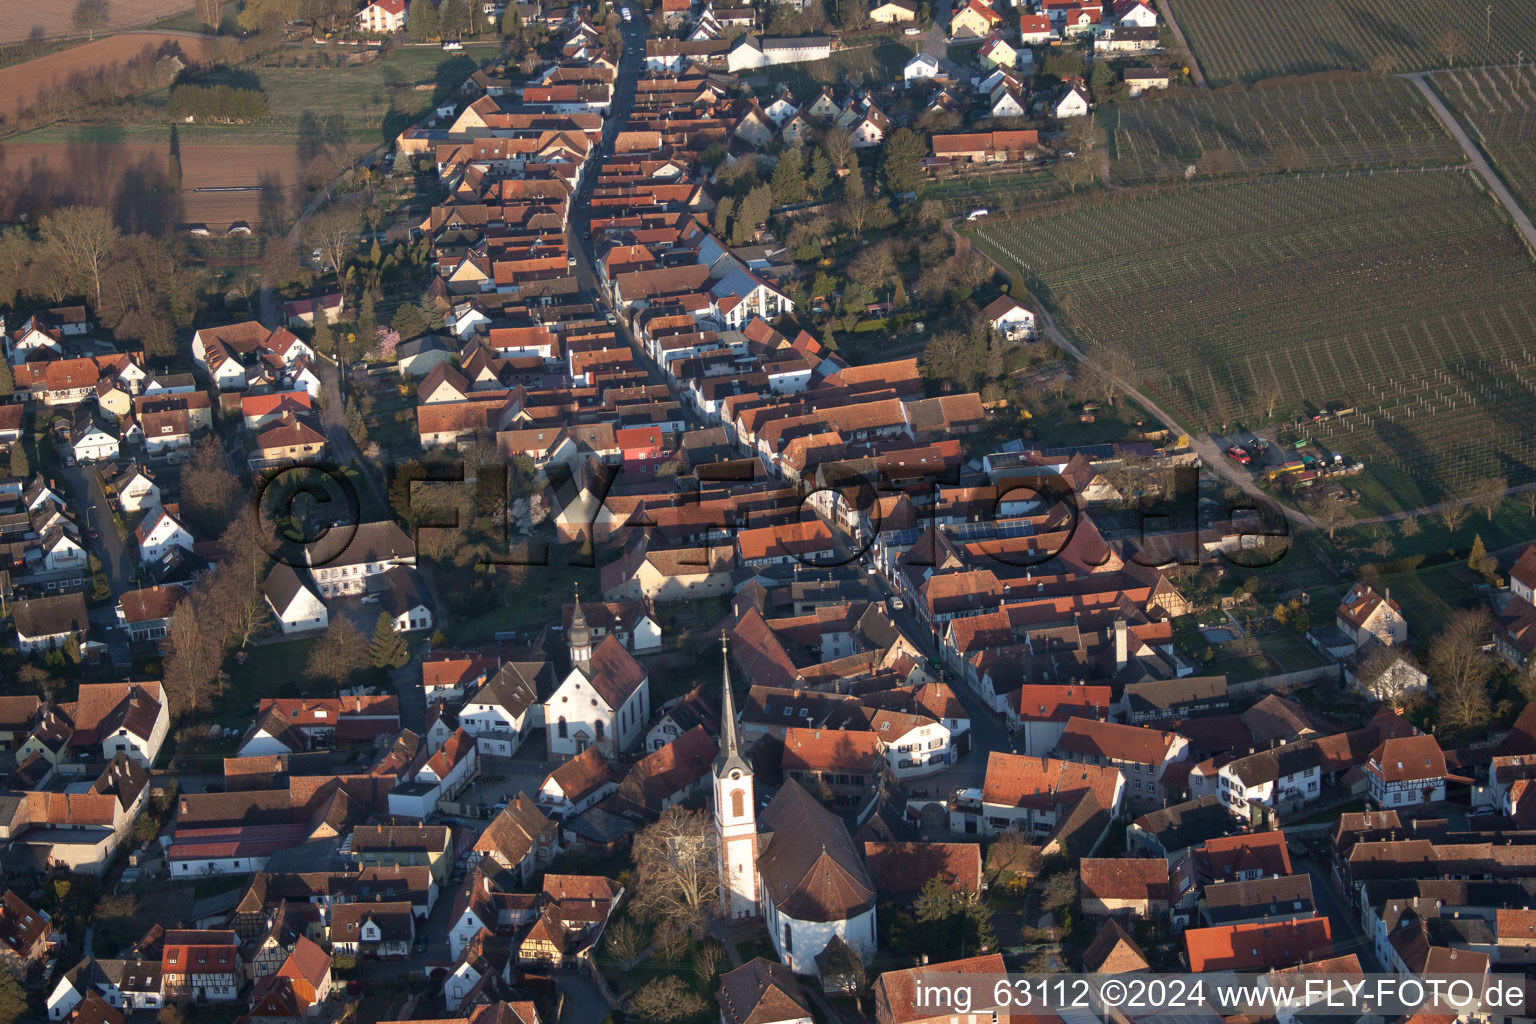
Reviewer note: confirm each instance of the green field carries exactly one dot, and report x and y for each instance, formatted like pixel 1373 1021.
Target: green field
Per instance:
pixel 1245 40
pixel 377 100
pixel 1307 124
pixel 1497 106
pixel 1404 295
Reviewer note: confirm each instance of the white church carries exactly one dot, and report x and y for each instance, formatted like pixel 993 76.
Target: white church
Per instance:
pixel 604 702
pixel 802 873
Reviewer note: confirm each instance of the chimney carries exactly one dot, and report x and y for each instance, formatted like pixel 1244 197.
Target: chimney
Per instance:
pixel 1122 645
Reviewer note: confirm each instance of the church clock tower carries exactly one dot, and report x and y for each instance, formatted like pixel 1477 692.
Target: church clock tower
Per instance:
pixel 735 820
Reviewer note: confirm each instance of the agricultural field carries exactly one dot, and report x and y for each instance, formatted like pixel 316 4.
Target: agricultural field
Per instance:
pixel 1404 295
pixel 22 84
pixel 129 178
pixel 1497 106
pixel 377 100
pixel 48 19
pixel 1317 124
pixel 1243 41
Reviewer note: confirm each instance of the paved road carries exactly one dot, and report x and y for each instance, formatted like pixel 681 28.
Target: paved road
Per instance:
pixel 579 241
pixel 1522 221
pixel 1344 926
pixel 119 558
pixel 936 39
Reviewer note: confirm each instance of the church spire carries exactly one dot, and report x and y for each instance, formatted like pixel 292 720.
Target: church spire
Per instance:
pixel 580 637
pixel 730 742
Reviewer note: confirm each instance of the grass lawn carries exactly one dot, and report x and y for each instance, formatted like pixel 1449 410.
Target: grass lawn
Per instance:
pixel 546 587
pixel 250 682
pixel 873 64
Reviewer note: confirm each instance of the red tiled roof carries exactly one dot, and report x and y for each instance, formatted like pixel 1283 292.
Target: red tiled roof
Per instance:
pixel 829 750
pixel 1256 947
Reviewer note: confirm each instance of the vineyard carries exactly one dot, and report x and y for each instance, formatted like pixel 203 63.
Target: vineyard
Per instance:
pixel 1311 125
pixel 1498 107
pixel 1243 40
pixel 1403 295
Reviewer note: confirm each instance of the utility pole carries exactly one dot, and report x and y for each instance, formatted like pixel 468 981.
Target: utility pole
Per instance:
pixel 1488 27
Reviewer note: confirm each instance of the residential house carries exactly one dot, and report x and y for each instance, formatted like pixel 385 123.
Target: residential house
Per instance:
pixel 1136 887
pixel 404 845
pixel 45 623
pixel 1141 754
pixel 383 930
pixel 892 12
pixel 763 992
pixel 501 711
pixel 520 839
pixel 381 17
pixel 201 965
pixel 897 999
pixel 1010 318
pixel 345 560
pixel 1257 947
pixel 976 20
pixel 1071 101
pixel 158 533
pixel 146 613
pixel 577 784
pixel 1405 771
pixel 295 605
pixel 1365 614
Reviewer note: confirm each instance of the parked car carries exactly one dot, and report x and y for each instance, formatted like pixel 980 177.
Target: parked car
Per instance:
pixel 1237 454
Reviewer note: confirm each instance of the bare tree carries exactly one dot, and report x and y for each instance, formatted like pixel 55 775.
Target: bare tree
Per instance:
pixel 210 492
pixel 210 12
pixel 1527 498
pixel 1487 494
pixel 1388 675
pixel 677 875
pixel 91 17
pixel 1077 172
pixel 1453 515
pixel 625 939
pixel 334 232
pixel 665 1000
pixel 1460 671
pixel 1451 45
pixel 706 961
pixel 340 652
pixel 838 146
pixel 81 240
pixel 1270 394
pixel 1383 64
pixel 1330 513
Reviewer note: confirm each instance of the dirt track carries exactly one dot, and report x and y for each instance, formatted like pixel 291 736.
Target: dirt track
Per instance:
pixel 21 83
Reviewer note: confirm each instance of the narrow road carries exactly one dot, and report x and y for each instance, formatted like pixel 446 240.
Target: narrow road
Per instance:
pixel 118 558
pixel 1166 8
pixel 578 228
pixel 1475 154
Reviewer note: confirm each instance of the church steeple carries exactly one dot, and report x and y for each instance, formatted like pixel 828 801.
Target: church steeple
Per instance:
pixel 735 811
pixel 580 637
pixel 730 741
